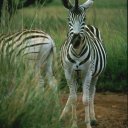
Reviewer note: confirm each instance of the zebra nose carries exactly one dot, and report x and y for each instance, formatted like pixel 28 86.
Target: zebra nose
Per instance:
pixel 76 34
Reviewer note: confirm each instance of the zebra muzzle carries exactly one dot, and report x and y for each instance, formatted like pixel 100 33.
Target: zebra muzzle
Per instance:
pixel 76 40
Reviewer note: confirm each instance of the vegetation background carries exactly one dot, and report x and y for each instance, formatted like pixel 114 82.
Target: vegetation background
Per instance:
pixel 22 103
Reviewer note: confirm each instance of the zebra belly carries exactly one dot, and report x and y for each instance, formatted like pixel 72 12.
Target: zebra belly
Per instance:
pixel 82 67
pixel 74 67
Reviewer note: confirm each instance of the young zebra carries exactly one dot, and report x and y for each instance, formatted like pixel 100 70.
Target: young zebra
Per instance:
pixel 34 47
pixel 83 57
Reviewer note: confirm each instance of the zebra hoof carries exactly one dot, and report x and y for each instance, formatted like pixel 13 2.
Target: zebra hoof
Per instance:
pixel 93 122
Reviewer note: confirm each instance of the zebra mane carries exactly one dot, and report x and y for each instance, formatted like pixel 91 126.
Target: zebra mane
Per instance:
pixel 67 4
pixel 75 9
pixel 76 4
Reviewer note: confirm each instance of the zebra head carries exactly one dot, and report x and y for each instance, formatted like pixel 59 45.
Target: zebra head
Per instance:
pixel 77 16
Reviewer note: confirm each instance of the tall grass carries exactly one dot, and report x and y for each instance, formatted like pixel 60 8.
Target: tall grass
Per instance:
pixel 23 103
pixel 112 24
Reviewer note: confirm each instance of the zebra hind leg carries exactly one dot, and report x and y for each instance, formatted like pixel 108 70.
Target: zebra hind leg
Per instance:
pixel 52 82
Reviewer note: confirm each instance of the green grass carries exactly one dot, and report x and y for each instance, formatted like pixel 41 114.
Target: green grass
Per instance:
pixel 22 103
pixel 98 3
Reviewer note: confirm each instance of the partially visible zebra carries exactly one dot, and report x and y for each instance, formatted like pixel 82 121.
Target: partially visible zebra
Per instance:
pixel 83 57
pixel 32 46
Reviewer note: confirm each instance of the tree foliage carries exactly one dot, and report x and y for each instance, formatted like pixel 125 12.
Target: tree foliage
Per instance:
pixel 12 5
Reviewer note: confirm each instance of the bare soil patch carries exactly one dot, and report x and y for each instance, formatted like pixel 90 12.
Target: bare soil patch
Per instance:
pixel 110 109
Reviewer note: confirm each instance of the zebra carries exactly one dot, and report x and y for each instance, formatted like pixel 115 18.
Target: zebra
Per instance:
pixel 83 58
pixel 33 47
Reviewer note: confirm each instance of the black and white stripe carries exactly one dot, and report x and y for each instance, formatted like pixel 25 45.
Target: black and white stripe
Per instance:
pixel 91 48
pixel 31 46
pixel 82 54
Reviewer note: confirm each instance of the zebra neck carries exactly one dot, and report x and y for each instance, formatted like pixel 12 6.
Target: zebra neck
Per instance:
pixel 83 47
pixel 77 51
pixel 76 41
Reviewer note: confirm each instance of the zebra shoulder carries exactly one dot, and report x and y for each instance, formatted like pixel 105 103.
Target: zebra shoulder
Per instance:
pixel 92 30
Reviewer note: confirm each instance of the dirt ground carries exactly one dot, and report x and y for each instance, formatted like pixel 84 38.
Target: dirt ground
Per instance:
pixel 110 109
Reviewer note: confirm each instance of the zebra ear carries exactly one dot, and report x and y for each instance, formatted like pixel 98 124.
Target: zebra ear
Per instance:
pixel 87 4
pixel 67 4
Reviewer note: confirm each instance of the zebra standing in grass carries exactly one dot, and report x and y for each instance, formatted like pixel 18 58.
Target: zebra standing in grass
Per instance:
pixel 83 57
pixel 32 46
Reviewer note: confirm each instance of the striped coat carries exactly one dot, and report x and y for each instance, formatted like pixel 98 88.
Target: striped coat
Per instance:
pixel 91 49
pixel 31 46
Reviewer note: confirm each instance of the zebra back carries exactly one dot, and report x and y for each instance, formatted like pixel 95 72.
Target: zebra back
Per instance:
pixel 26 44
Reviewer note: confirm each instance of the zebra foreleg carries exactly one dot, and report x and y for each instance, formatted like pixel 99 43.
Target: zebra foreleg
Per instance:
pixel 71 103
pixel 72 99
pixel 92 94
pixel 86 98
